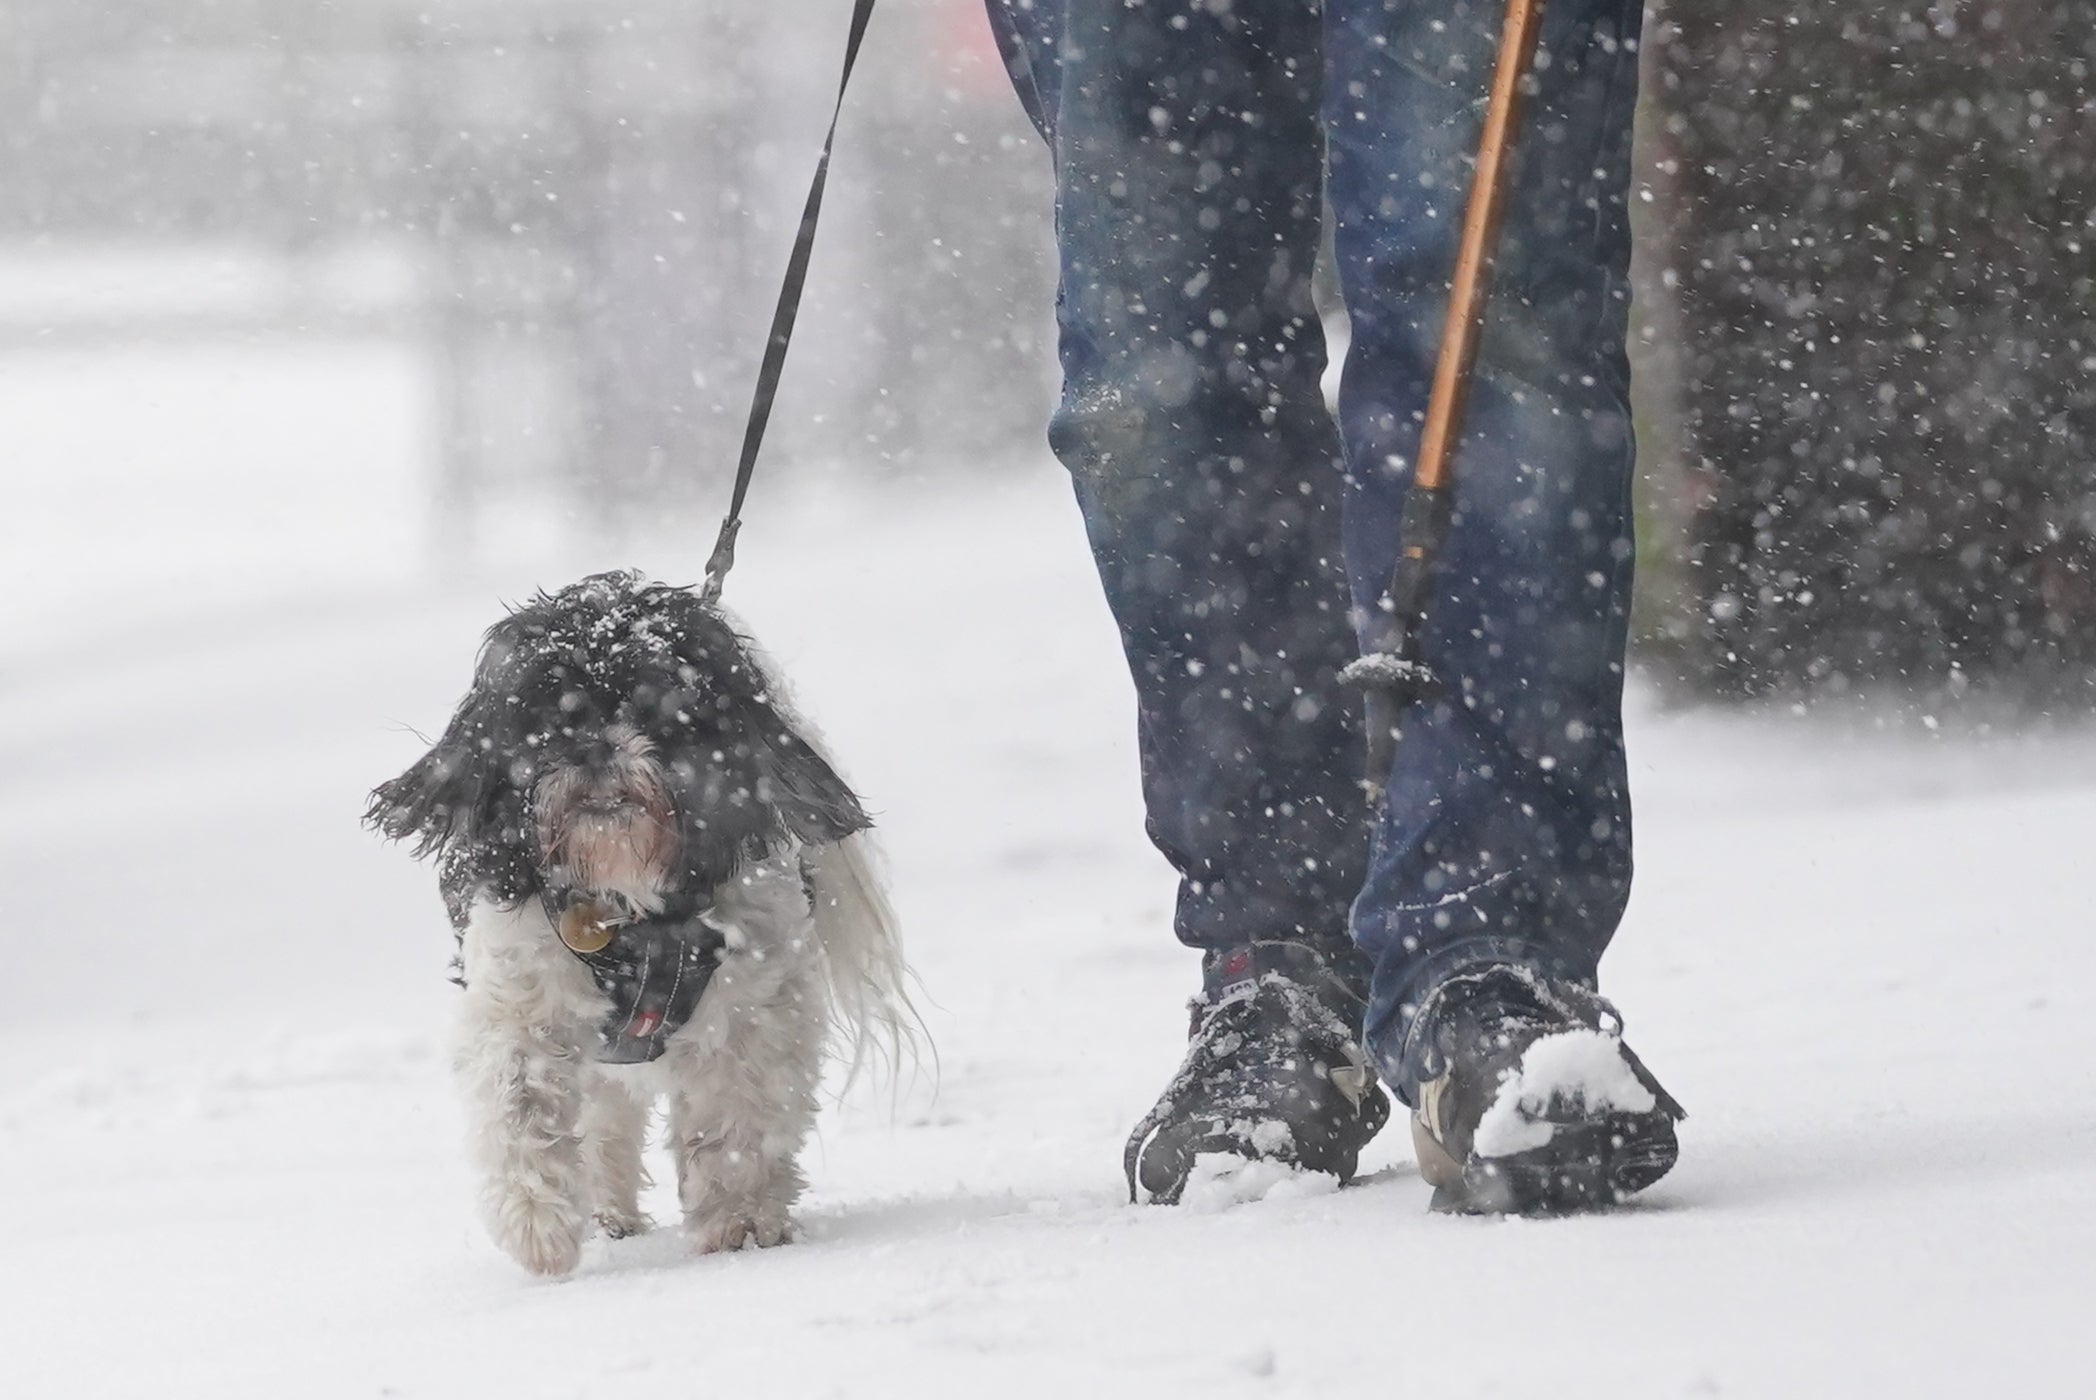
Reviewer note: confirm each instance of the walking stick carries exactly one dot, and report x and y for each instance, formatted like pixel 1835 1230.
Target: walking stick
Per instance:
pixel 1389 669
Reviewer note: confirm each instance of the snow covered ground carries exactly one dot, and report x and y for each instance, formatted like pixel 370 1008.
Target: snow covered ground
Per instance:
pixel 1862 954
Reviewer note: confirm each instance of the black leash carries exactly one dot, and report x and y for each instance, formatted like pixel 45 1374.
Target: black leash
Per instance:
pixel 723 557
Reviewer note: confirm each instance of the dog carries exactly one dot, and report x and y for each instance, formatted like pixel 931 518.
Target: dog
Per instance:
pixel 661 890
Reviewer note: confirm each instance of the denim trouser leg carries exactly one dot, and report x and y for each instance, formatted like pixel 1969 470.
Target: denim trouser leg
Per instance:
pixel 1189 147
pixel 1191 421
pixel 1506 835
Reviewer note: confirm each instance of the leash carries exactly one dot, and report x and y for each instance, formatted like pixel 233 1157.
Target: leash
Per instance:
pixel 768 374
pixel 655 970
pixel 1389 669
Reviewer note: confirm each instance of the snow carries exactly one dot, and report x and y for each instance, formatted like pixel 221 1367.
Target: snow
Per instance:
pixel 1221 1180
pixel 1860 953
pixel 1574 1067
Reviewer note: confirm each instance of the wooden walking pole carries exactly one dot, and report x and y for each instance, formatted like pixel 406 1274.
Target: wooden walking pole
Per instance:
pixel 1473 279
pixel 1389 669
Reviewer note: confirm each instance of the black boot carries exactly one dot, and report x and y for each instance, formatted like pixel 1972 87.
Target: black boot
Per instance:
pixel 1274 1071
pixel 1528 1101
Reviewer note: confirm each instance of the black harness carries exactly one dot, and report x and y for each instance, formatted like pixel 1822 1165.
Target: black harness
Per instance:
pixel 654 970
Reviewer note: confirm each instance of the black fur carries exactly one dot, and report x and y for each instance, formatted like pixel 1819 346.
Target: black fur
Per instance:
pixel 552 676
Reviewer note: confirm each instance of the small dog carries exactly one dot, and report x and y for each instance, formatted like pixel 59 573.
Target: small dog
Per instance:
pixel 661 889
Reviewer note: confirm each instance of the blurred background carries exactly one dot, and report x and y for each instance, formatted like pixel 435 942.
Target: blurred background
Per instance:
pixel 443 278
pixel 446 278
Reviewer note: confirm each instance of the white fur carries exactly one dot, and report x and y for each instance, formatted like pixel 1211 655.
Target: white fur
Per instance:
pixel 557 1136
pixel 618 853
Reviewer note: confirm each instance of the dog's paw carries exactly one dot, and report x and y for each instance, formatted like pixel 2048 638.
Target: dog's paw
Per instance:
pixel 620 1225
pixel 543 1236
pixel 740 1231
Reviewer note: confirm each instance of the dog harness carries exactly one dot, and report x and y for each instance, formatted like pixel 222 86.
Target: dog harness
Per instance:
pixel 654 971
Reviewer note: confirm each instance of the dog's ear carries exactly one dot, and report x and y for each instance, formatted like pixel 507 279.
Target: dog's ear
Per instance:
pixel 435 803
pixel 764 783
pixel 450 796
pixel 753 778
pixel 804 791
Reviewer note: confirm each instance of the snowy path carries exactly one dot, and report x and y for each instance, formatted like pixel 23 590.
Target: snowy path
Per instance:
pixel 1864 960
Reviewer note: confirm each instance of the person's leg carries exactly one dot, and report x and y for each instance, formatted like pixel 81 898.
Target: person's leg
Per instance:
pixel 1506 836
pixel 1189 168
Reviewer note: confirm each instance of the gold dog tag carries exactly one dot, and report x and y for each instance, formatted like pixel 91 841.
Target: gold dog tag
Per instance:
pixel 583 927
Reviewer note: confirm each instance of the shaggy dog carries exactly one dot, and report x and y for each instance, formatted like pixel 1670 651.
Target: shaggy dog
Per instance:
pixel 661 890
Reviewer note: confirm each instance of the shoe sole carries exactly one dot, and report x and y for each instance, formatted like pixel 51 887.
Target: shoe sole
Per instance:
pixel 1592 1164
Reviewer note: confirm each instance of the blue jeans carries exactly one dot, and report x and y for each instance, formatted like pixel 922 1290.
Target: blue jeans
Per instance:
pixel 1241 533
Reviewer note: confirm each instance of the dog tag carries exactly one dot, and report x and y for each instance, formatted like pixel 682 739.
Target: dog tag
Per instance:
pixel 583 929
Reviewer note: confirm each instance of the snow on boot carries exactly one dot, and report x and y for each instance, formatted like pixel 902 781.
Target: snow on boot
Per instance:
pixel 1529 1102
pixel 1274 1072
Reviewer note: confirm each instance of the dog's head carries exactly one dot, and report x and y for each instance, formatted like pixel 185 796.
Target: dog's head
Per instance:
pixel 619 740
